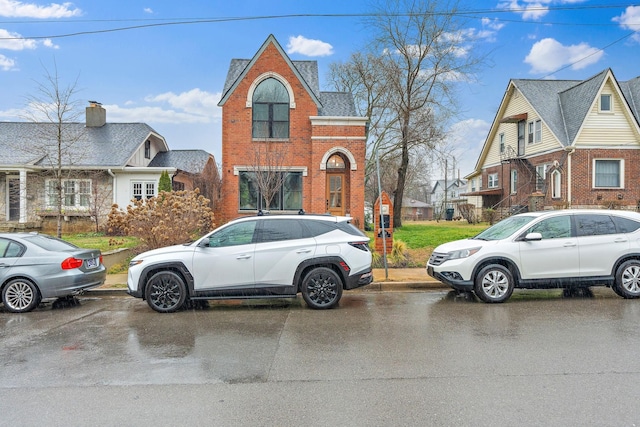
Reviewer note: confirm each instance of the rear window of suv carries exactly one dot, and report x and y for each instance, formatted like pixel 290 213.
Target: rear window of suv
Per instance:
pixel 625 225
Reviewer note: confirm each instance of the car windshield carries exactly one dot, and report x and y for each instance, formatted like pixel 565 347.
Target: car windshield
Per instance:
pixel 504 228
pixel 50 243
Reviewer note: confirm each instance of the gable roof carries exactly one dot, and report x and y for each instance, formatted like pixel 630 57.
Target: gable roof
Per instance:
pixel 191 161
pixel 111 145
pixel 335 104
pixel 563 105
pixel 457 182
pixel 240 67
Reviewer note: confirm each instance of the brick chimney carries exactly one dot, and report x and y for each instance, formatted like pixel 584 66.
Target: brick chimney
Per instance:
pixel 96 115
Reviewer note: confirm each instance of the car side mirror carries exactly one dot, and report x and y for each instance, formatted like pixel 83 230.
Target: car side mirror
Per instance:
pixel 533 236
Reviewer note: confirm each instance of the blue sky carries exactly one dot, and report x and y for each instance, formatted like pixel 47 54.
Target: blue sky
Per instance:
pixel 171 76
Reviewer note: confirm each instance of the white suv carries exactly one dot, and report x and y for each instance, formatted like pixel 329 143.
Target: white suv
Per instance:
pixel 257 257
pixel 549 249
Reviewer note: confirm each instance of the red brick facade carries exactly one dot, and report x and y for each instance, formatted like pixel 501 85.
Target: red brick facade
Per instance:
pixel 312 138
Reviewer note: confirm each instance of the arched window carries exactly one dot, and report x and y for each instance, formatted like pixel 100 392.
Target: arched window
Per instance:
pixel 335 162
pixel 270 110
pixel 555 184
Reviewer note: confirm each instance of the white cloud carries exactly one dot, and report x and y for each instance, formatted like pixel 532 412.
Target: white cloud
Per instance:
pixel 148 10
pixel 530 10
pixel 194 106
pixel 6 64
pixel 308 47
pixel 630 20
pixel 14 41
pixel 195 101
pixel 18 9
pixel 548 55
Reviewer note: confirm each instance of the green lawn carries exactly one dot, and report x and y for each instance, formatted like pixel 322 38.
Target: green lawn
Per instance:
pixel 422 237
pixel 429 234
pixel 100 241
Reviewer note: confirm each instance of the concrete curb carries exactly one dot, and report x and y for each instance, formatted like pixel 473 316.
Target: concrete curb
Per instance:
pixel 373 287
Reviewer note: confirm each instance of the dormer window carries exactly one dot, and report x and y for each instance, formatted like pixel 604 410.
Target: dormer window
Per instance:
pixel 270 110
pixel 147 149
pixel 605 103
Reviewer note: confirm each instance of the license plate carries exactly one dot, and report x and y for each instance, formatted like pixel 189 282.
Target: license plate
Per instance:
pixel 92 263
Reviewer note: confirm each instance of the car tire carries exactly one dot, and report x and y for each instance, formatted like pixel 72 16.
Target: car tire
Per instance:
pixel 494 284
pixel 20 296
pixel 627 283
pixel 165 292
pixel 321 288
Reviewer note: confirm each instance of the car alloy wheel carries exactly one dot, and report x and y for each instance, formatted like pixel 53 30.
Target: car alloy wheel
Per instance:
pixel 165 292
pixel 321 288
pixel 627 282
pixel 20 296
pixel 494 283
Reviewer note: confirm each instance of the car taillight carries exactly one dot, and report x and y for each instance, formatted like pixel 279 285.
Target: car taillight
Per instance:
pixel 363 246
pixel 71 263
pixel 100 258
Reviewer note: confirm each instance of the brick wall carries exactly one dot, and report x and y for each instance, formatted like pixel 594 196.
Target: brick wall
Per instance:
pixel 302 150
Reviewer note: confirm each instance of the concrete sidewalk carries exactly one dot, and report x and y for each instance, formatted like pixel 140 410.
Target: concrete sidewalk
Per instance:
pixel 392 279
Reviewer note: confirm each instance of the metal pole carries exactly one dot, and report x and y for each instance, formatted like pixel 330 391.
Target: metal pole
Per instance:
pixel 384 236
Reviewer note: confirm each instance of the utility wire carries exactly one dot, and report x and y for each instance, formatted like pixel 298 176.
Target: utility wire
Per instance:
pixel 191 21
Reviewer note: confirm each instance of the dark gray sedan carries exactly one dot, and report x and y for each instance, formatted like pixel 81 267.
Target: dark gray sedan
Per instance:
pixel 36 266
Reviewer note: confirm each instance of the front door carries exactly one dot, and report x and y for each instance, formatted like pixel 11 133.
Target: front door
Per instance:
pixel 13 198
pixel 335 194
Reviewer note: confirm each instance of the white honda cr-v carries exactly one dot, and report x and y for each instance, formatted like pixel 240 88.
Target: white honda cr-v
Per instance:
pixel 257 257
pixel 548 249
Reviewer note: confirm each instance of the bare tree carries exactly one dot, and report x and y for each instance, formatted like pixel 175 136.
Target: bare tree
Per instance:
pixel 268 168
pixel 55 142
pixel 101 198
pixel 421 53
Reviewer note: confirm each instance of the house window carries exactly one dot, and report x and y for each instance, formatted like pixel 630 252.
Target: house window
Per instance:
pixel 143 189
pixel 556 192
pixel 270 110
pixel 492 180
pixel 335 162
pixel 501 136
pixel 608 173
pixel 541 177
pixel 473 184
pixel 288 196
pixel 147 149
pixel 605 103
pixel 514 181
pixel 534 134
pixel 76 193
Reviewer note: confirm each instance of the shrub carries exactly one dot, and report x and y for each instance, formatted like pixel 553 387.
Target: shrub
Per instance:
pixel 172 218
pixel 468 212
pixel 164 184
pixel 490 215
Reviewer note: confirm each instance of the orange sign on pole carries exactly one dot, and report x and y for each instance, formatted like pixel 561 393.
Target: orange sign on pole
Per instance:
pixel 383 220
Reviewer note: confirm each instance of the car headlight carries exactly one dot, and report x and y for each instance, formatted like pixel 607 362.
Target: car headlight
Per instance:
pixel 462 253
pixel 135 262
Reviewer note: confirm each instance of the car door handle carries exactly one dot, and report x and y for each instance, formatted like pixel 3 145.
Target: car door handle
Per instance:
pixel 243 256
pixel 569 245
pixel 620 241
pixel 303 251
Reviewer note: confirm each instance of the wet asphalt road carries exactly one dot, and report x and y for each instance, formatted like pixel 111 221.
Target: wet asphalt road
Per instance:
pixel 381 358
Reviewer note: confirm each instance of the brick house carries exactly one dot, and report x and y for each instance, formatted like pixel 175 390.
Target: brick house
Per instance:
pixel 562 143
pixel 277 122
